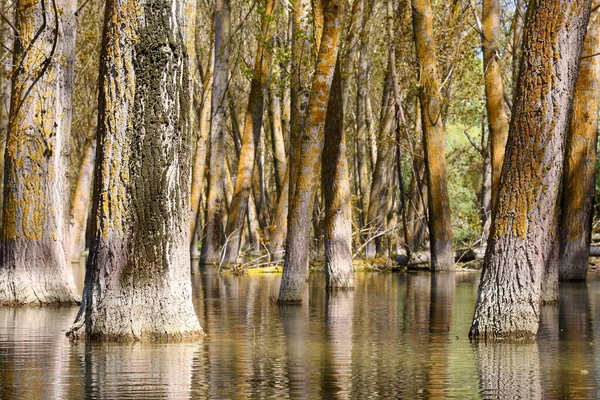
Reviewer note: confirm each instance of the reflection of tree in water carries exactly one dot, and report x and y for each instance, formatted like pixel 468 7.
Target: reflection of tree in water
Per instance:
pixel 576 364
pixel 137 370
pixel 440 317
pixel 294 319
pixel 34 353
pixel 509 370
pixel 337 365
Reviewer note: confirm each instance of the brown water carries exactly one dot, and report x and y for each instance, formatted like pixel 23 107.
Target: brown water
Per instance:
pixel 398 335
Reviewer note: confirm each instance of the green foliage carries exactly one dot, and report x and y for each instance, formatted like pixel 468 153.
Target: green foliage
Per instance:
pixel 464 183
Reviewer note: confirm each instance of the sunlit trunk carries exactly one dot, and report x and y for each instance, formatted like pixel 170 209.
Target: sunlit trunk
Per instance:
pixel 33 253
pixel 518 273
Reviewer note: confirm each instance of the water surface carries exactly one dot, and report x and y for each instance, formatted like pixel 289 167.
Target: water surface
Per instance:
pixel 398 335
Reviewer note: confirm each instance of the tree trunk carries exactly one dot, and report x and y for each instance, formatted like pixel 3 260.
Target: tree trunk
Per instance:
pixel 279 223
pixel 299 82
pixel 523 239
pixel 199 160
pixel 80 205
pixel 440 224
pixel 494 88
pixel 137 283
pixel 339 273
pixel 216 207
pixel 377 211
pixel 362 126
pixel 517 40
pixel 277 139
pixel 295 271
pixel 580 163
pixel 33 254
pixel 250 140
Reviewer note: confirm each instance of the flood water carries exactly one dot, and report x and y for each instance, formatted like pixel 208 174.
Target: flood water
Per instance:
pixel 398 335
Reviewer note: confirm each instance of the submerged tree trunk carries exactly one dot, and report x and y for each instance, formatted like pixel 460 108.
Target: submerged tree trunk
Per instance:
pixel 216 207
pixel 440 224
pixel 33 261
pixel 580 163
pixel 335 183
pixel 137 283
pixel 523 239
pixel 295 271
pixel 494 88
pixel 80 205
pixel 250 140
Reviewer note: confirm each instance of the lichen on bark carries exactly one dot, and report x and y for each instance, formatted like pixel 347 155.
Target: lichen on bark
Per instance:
pixel 137 284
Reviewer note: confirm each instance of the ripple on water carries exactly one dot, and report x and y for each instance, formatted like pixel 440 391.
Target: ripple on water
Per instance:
pixel 398 335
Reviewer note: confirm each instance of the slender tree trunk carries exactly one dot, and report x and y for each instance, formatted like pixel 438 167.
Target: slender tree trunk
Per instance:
pixel 279 224
pixel 339 273
pixel 517 40
pixel 580 163
pixel 351 50
pixel 299 82
pixel 216 207
pixel 377 211
pixel 494 88
pixel 250 140
pixel 80 205
pixel 137 283
pixel 277 139
pixel 33 254
pixel 440 224
pixel 295 271
pixel 200 152
pixel 523 239
pixel 362 82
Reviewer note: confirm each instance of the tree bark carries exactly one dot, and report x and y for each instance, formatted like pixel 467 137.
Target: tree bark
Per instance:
pixel 580 163
pixel 250 139
pixel 33 256
pixel 300 77
pixel 440 224
pixel 199 160
pixel 216 207
pixel 494 88
pixel 377 211
pixel 523 239
pixel 80 205
pixel 339 273
pixel 362 126
pixel 517 40
pixel 137 283
pixel 277 139
pixel 295 271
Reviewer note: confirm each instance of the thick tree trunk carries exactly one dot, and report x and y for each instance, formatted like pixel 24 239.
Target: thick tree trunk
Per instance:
pixel 335 183
pixel 440 224
pixel 580 163
pixel 137 283
pixel 216 207
pixel 494 88
pixel 80 205
pixel 33 252
pixel 295 271
pixel 250 140
pixel 523 239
